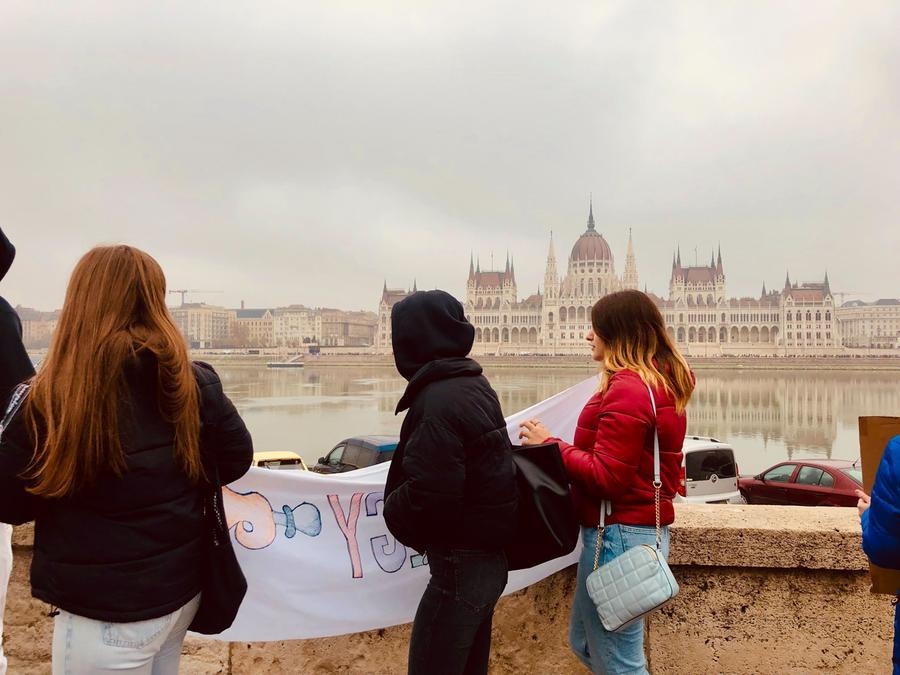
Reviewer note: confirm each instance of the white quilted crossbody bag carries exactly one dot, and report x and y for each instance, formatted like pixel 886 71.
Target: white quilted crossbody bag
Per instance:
pixel 638 581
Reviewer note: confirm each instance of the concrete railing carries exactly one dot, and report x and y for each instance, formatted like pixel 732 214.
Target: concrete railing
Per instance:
pixel 764 589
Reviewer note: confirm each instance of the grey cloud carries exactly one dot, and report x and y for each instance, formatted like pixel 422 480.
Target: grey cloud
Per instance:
pixel 306 152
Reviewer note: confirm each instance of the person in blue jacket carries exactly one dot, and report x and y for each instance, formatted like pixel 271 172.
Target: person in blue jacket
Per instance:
pixel 880 519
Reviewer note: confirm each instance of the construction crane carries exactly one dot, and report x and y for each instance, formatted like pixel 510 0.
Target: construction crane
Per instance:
pixel 185 291
pixel 843 294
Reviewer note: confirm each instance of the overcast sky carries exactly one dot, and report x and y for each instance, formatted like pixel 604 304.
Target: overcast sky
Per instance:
pixel 307 152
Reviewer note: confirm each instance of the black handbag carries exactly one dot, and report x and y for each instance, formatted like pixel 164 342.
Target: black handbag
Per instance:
pixel 546 527
pixel 222 582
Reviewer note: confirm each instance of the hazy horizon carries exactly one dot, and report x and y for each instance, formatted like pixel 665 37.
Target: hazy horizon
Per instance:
pixel 309 153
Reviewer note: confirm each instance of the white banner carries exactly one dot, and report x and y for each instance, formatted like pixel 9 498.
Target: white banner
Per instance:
pixel 318 556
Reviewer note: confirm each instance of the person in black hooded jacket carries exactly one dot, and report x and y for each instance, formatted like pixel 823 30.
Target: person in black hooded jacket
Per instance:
pixel 450 490
pixel 15 367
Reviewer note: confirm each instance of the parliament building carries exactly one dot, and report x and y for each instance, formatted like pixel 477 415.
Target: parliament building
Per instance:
pixel 797 320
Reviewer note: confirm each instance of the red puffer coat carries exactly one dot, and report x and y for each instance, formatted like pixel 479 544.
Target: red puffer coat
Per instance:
pixel 613 453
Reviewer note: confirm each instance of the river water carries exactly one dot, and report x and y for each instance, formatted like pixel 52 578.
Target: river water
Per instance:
pixel 768 416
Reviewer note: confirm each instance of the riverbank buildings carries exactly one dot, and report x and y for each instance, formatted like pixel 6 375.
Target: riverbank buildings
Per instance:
pixel 799 319
pixel 292 327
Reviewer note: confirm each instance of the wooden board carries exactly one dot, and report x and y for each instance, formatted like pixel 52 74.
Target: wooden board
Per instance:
pixel 874 434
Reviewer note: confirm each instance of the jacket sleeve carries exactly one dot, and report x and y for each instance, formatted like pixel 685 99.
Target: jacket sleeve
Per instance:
pixel 429 500
pixel 563 445
pixel 224 435
pixel 15 366
pixel 881 521
pixel 17 506
pixel 607 470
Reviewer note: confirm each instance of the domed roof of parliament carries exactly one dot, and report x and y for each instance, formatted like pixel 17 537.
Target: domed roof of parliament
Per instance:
pixel 591 245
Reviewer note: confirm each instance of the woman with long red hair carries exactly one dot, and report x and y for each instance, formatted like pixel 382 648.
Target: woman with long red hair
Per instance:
pixel 645 384
pixel 104 454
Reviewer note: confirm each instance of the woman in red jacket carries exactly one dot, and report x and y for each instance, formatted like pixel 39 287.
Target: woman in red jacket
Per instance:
pixel 611 460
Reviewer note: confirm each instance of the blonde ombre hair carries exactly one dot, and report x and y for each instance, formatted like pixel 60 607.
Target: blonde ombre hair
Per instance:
pixel 114 310
pixel 634 338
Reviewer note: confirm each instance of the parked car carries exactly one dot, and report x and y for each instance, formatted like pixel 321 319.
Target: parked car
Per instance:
pixel 356 453
pixel 805 482
pixel 708 472
pixel 279 459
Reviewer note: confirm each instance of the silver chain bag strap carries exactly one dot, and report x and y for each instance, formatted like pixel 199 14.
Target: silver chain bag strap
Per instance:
pixel 639 581
pixel 15 402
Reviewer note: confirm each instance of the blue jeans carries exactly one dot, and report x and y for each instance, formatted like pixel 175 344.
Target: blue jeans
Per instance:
pixel 83 646
pixel 451 634
pixel 5 569
pixel 605 652
pixel 897 636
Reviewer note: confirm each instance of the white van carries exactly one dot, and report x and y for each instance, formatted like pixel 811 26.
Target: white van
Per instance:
pixel 709 472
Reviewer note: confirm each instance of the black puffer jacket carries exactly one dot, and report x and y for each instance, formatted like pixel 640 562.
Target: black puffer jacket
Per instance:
pixel 15 366
pixel 451 483
pixel 127 548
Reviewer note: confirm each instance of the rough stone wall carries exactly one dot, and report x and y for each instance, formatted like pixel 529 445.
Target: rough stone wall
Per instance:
pixel 753 621
pixel 780 590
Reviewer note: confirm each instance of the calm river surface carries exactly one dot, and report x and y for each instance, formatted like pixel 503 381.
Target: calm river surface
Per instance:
pixel 767 416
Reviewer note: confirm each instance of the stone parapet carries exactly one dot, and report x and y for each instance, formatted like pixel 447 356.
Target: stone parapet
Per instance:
pixel 785 537
pixel 764 589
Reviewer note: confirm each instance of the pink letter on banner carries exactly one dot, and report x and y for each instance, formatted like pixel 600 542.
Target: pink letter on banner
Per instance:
pixel 348 528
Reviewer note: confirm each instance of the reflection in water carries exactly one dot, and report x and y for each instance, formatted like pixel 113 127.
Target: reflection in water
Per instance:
pixel 795 413
pixel 767 415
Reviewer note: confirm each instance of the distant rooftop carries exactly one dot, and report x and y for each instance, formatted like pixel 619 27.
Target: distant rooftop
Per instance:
pixel 250 313
pixel 883 302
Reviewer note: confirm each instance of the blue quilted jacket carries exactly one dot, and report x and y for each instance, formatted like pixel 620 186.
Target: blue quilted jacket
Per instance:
pixel 881 521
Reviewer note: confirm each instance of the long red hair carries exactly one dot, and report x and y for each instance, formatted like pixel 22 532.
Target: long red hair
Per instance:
pixel 114 310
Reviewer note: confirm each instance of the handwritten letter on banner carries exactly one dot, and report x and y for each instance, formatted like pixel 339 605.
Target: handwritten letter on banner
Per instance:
pixel 318 556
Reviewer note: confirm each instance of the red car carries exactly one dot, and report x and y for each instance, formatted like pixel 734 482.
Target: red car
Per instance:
pixel 805 482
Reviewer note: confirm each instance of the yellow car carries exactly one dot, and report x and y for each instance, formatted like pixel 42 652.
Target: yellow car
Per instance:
pixel 279 459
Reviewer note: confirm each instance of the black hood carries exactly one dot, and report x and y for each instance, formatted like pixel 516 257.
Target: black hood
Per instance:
pixel 427 326
pixel 7 253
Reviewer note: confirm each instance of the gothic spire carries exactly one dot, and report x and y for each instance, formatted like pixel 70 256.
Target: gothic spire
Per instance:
pixel 591 214
pixel 551 280
pixel 827 285
pixel 630 276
